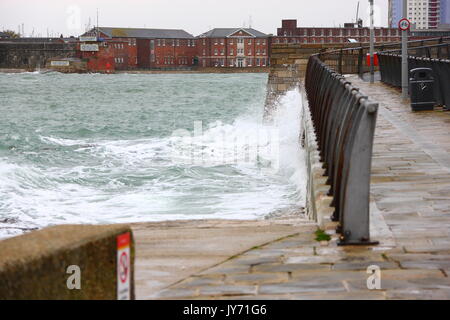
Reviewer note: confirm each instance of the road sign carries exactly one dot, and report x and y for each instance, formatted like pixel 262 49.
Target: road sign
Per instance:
pixel 404 24
pixel 123 267
pixel 89 47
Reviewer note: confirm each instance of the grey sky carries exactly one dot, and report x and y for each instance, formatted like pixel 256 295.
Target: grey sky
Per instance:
pixel 195 16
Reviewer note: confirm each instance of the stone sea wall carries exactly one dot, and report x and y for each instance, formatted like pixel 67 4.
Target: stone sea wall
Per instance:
pixel 287 71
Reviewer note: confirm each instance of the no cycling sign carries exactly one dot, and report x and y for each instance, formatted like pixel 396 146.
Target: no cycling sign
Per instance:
pixel 404 24
pixel 123 267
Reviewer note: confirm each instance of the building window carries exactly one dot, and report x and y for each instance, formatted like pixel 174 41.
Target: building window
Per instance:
pixel 249 52
pixel 216 52
pixel 163 42
pixel 178 42
pixel 222 52
pixel 204 42
pixel 159 43
pixel 249 41
pixel 204 52
pixel 231 52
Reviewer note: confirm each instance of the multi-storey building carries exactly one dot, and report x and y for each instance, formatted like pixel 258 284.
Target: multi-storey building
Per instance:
pixel 233 47
pixel 132 48
pixel 290 33
pixel 423 14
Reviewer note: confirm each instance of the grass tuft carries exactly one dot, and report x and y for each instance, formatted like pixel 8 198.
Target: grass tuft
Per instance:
pixel 322 236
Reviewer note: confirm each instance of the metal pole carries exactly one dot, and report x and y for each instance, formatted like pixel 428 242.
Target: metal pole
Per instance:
pixel 405 55
pixel 372 38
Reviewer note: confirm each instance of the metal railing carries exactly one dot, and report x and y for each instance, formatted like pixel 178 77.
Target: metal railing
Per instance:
pixel 344 120
pixel 353 60
pixel 390 71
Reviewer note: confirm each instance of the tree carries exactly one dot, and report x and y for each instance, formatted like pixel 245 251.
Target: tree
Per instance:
pixel 11 34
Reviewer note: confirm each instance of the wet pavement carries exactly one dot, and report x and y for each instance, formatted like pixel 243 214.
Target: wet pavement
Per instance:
pixel 410 216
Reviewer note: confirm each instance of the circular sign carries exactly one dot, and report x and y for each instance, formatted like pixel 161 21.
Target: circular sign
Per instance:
pixel 404 24
pixel 123 267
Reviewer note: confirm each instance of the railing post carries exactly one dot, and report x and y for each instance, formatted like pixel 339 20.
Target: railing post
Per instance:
pixel 356 194
pixel 340 61
pixel 360 63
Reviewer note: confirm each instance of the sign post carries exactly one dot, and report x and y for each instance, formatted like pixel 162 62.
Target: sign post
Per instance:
pixel 123 267
pixel 404 26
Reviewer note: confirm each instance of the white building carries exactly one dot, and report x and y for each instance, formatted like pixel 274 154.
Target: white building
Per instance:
pixel 423 14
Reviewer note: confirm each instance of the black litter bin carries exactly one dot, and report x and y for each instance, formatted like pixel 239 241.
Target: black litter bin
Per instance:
pixel 421 89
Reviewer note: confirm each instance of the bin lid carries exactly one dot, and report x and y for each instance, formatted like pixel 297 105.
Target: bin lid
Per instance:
pixel 421 74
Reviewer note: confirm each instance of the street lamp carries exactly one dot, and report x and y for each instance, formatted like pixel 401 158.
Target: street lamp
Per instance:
pixel 372 40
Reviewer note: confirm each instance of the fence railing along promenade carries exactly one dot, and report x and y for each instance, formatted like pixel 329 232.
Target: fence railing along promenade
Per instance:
pixel 435 57
pixel 344 120
pixel 353 60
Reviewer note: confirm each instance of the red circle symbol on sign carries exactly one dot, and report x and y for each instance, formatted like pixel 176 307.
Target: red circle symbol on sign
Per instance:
pixel 404 24
pixel 123 267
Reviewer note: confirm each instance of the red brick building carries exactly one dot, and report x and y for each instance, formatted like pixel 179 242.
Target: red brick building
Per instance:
pixel 233 47
pixel 291 33
pixel 131 48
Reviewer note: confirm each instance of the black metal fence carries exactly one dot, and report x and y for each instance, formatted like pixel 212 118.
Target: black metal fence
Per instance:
pixel 344 121
pixel 390 70
pixel 353 60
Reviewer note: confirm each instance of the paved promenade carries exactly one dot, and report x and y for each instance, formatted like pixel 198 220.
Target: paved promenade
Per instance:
pixel 410 216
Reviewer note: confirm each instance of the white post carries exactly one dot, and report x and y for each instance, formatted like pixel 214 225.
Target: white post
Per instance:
pixel 405 80
pixel 372 40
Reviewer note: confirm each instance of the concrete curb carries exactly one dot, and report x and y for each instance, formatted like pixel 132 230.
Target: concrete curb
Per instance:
pixel 35 265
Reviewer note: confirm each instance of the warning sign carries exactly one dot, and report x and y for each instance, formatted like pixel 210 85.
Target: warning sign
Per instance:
pixel 123 267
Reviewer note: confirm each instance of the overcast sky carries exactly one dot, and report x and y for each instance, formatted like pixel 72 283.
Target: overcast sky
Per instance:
pixel 70 17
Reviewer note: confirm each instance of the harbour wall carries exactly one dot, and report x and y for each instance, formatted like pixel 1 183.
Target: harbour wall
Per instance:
pixel 287 71
pixel 32 55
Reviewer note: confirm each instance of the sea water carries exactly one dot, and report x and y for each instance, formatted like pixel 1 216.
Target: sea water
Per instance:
pixel 93 148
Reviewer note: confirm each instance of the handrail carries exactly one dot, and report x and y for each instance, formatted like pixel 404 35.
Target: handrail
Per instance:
pixel 421 47
pixel 393 44
pixel 344 121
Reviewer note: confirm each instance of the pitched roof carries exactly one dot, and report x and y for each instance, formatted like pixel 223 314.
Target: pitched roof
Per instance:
pixel 146 33
pixel 226 32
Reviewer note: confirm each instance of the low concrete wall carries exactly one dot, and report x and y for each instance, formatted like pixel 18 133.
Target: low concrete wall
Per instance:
pixel 35 265
pixel 317 200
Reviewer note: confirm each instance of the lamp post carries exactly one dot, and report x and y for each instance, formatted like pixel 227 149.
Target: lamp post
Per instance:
pixel 405 54
pixel 372 40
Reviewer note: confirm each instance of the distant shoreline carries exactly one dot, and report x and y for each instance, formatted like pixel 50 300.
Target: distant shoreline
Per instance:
pixel 201 70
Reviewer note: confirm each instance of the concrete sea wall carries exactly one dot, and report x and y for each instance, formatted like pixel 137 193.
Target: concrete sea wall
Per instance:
pixel 288 68
pixel 40 264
